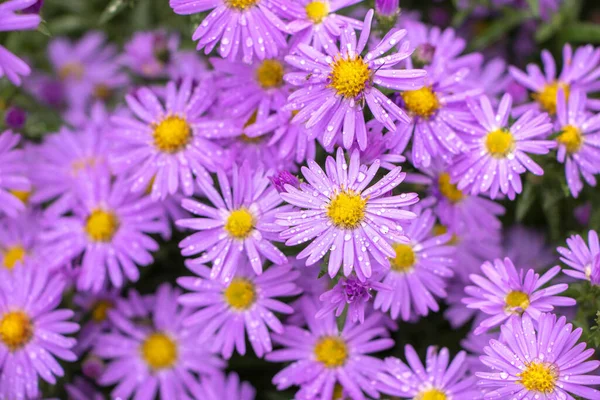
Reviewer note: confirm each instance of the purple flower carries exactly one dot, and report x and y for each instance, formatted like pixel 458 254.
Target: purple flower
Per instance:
pixel 340 215
pixel 149 53
pixel 387 8
pixel 282 178
pixel 81 389
pixel 11 19
pixel 580 256
pixel 323 356
pixel 221 387
pixel 246 304
pixel 527 248
pixel 14 185
pixel 377 148
pixel 15 118
pixel 160 357
pixel 251 28
pixel 96 306
pixel 419 270
pixel 496 153
pixel 539 359
pixel 333 89
pixel 32 332
pixel 240 225
pixel 438 379
pixel 505 292
pixel 19 242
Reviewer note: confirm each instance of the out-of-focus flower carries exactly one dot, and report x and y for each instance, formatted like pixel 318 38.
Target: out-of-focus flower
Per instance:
pixel 14 184
pixel 15 118
pixel 282 178
pixel 579 256
pixel 150 53
pixel 221 387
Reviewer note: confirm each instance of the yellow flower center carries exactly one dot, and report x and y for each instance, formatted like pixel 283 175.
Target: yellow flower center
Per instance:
pixel 72 70
pixel 270 74
pixel 431 394
pixel 241 5
pixel 439 229
pixel 159 351
pixel 100 310
pixel 516 299
pixel 102 91
pixel 316 11
pixel 240 223
pixel 548 96
pixel 15 329
pixel 331 351
pixel 405 258
pixel 347 210
pixel 571 138
pixel 22 195
pixel 349 76
pixel 171 134
pixel 448 189
pixel 421 102
pixel 13 255
pixel 101 225
pixel 499 143
pixel 539 377
pixel 240 294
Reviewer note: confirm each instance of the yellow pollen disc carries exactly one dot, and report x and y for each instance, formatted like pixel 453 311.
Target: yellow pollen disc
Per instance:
pixel 431 394
pixel 405 258
pixel 517 299
pixel 316 11
pixel 349 76
pixel 171 134
pixel 102 91
pixel 240 223
pixel 13 255
pixel 548 96
pixel 159 351
pixel 270 74
pixel 571 138
pixel 499 143
pixel 421 102
pixel 347 210
pixel 101 225
pixel 539 377
pixel 439 229
pixel 15 329
pixel 331 351
pixel 22 195
pixel 448 189
pixel 240 294
pixel 241 5
pixel 72 70
pixel 100 310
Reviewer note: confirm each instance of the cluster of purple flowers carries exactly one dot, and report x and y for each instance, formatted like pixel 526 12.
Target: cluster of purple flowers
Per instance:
pixel 294 255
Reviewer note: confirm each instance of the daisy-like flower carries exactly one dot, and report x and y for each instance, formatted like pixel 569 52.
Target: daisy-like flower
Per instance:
pixel 110 227
pixel 12 19
pixel 19 242
pixel 315 24
pixel 580 72
pixel 14 184
pixel 245 305
pixel 323 356
pixel 251 28
pixel 578 141
pixel 580 256
pixel 240 225
pixel 96 306
pixel 150 53
pixel 334 89
pixel 32 332
pixel 161 357
pixel 439 379
pixel 162 142
pixel 340 215
pixel 419 270
pixel 221 386
pixel 496 153
pixel 504 292
pixel 539 360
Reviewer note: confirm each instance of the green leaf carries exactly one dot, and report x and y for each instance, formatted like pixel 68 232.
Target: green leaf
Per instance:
pixel 534 6
pixel 525 201
pixel 341 320
pixel 322 271
pixel 43 29
pixel 500 28
pixel 113 8
pixel 582 32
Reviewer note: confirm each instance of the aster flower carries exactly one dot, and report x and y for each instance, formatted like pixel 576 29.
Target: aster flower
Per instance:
pixel 419 270
pixel 12 19
pixel 334 88
pixel 435 380
pixel 96 306
pixel 240 225
pixel 282 178
pixel 162 357
pixel 221 386
pixel 340 215
pixel 244 305
pixel 163 142
pixel 496 153
pixel 579 140
pixel 580 256
pixel 580 72
pixel 32 332
pixel 13 180
pixel 504 292
pixel 149 53
pixel 527 248
pixel 377 149
pixel 539 360
pixel 251 28
pixel 387 8
pixel 19 242
pixel 323 356
pixel 110 228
